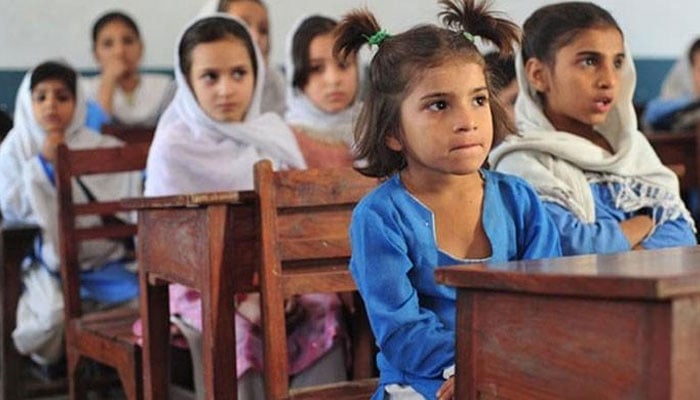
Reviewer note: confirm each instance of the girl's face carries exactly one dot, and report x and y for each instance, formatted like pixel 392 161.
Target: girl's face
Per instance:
pixel 446 122
pixel 118 43
pixel 255 16
pixel 332 83
pixel 581 88
pixel 53 105
pixel 222 79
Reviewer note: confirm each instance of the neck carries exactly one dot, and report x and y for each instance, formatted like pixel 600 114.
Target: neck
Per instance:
pixel 578 128
pixel 425 184
pixel 129 82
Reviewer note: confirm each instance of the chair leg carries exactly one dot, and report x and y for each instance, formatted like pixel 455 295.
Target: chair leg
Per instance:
pixel 131 378
pixel 76 386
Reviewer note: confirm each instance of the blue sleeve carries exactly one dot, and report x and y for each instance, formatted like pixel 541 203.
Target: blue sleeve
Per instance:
pixel 672 233
pixel 96 116
pixel 602 236
pixel 411 338
pixel 659 108
pixel 541 238
pixel 48 169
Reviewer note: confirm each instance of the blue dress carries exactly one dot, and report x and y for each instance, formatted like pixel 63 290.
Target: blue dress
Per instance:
pixel 604 235
pixel 394 258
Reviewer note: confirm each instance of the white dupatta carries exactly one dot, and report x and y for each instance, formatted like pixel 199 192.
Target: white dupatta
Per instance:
pixel 561 165
pixel 193 153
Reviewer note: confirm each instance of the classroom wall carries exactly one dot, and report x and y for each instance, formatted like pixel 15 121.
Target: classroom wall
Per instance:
pixel 35 30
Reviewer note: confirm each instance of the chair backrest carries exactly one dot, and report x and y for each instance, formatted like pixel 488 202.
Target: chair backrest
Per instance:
pixel 305 247
pixel 77 163
pixel 130 133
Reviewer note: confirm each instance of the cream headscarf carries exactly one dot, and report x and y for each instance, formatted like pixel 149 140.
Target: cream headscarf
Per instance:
pixel 560 165
pixel 302 113
pixel 193 153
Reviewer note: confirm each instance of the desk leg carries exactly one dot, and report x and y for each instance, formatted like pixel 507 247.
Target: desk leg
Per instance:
pixel 155 317
pixel 218 324
pixel 464 356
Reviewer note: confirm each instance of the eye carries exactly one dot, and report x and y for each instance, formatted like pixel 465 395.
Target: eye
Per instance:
pixel 209 77
pixel 129 40
pixel 39 97
pixel 239 73
pixel 64 97
pixel 438 105
pixel 619 62
pixel 590 61
pixel 107 43
pixel 316 68
pixel 481 100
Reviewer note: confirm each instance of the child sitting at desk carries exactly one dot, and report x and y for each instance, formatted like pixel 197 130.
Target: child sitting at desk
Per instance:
pixel 208 140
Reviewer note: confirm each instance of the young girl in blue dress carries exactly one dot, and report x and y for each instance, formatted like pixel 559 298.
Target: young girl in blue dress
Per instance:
pixel 427 126
pixel 579 146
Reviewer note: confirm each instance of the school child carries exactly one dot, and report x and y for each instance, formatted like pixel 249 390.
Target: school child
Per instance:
pixel 208 140
pixel 254 14
pixel 50 110
pixel 677 111
pixel 579 146
pixel 321 91
pixel 120 93
pixel 427 125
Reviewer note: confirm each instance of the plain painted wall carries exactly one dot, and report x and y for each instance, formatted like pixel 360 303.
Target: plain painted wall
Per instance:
pixel 35 30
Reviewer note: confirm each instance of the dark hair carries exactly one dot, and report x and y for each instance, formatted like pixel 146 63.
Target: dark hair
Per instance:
pixel 223 4
pixel 502 70
pixel 51 70
pixel 399 63
pixel 212 29
pixel 694 49
pixel 109 17
pixel 313 26
pixel 552 27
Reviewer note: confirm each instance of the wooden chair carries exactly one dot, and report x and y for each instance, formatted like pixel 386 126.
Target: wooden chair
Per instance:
pixel 305 248
pixel 130 133
pixel 15 242
pixel 103 336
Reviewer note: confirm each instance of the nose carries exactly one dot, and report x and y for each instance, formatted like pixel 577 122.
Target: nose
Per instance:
pixel 608 76
pixel 333 74
pixel 226 87
pixel 464 120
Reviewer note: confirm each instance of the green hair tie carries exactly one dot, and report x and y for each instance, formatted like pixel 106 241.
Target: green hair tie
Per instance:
pixel 377 38
pixel 469 36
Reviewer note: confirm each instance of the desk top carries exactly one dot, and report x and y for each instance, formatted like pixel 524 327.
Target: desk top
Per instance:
pixel 646 274
pixel 190 200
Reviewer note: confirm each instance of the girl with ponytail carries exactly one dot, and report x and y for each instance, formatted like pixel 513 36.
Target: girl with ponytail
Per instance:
pixel 426 127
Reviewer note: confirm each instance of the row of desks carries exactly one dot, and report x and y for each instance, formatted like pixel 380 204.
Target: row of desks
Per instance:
pixel 601 326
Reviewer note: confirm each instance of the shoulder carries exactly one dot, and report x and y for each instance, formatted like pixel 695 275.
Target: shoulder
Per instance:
pixel 509 186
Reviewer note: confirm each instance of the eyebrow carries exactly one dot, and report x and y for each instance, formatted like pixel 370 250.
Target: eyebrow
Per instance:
pixel 443 94
pixel 596 53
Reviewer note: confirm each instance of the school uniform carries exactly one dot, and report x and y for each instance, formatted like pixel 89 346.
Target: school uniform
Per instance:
pixel 394 258
pixel 28 194
pixel 193 153
pixel 141 107
pixel 587 189
pixel 305 117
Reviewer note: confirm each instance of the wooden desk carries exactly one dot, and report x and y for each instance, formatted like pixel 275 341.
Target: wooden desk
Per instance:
pixel 680 152
pixel 207 242
pixel 623 326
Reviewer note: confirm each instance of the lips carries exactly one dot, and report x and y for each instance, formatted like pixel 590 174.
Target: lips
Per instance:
pixel 603 104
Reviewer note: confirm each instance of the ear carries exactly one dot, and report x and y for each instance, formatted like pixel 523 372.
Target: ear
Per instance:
pixel 538 74
pixel 393 142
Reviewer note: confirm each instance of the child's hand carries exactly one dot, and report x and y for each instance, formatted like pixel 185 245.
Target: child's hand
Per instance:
pixel 113 70
pixel 50 148
pixel 447 390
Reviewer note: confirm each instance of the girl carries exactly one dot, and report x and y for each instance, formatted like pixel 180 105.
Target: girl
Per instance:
pixel 50 110
pixel 120 93
pixel 601 181
pixel 254 14
pixel 322 91
pixel 427 127
pixel 208 140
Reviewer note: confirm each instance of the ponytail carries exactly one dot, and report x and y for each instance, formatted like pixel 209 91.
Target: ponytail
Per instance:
pixel 471 19
pixel 354 31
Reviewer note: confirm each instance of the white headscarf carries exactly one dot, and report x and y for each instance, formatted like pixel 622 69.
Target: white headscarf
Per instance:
pixel 560 165
pixel 302 113
pixel 193 153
